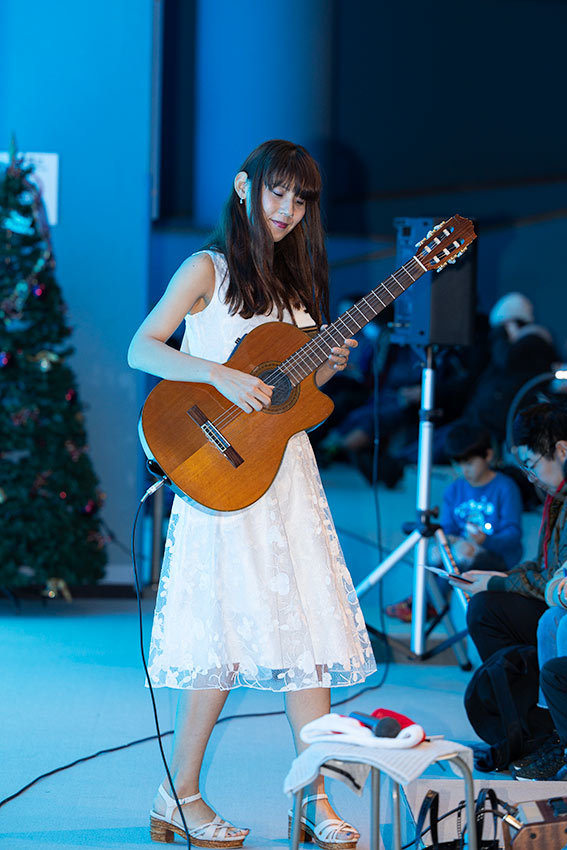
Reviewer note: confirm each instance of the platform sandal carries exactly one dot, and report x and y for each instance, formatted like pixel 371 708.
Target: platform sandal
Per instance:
pixel 212 834
pixel 329 834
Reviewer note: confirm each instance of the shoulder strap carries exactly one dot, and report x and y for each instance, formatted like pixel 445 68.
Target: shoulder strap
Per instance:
pixel 429 806
pixel 479 812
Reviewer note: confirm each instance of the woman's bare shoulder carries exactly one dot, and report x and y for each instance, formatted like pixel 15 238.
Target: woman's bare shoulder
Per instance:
pixel 194 281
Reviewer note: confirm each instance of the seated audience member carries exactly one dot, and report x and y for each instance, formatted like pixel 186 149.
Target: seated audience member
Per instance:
pixel 482 508
pixel 519 350
pixel 481 513
pixel 505 607
pixel 549 761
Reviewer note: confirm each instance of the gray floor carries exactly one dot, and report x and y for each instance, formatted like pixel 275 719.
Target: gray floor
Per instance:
pixel 73 685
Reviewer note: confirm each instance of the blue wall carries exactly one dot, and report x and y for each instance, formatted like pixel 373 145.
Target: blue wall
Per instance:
pixel 432 94
pixel 263 71
pixel 75 80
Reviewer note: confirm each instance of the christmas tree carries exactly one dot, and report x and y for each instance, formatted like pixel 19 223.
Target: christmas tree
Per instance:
pixel 50 528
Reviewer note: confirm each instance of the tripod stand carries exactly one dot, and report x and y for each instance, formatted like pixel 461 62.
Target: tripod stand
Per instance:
pixel 419 537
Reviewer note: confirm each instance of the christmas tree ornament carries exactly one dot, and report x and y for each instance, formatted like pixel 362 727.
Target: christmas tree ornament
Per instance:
pixel 24 415
pixel 45 359
pixel 56 586
pixel 24 225
pixel 16 323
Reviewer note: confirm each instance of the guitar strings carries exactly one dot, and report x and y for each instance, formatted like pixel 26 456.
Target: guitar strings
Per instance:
pixel 232 412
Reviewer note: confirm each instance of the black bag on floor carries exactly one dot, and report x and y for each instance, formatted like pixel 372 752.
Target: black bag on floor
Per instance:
pixel 501 704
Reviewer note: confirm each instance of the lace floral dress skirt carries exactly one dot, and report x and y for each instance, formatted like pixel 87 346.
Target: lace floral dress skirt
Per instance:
pixel 259 597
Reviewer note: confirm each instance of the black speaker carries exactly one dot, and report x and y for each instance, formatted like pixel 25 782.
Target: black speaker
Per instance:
pixel 439 308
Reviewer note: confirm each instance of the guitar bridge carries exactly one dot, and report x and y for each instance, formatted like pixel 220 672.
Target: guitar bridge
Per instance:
pixel 215 436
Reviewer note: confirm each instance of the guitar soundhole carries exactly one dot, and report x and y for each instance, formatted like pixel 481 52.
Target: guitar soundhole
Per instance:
pixel 284 394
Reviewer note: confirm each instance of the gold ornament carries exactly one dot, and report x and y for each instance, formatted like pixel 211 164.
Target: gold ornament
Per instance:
pixel 45 359
pixel 56 586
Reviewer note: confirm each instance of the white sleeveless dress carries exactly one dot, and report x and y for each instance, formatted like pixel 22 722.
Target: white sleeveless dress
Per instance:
pixel 259 597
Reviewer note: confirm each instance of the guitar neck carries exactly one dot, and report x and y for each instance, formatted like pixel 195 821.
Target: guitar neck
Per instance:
pixel 314 353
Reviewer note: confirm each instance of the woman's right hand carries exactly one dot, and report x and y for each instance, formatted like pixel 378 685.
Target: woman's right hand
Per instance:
pixel 246 391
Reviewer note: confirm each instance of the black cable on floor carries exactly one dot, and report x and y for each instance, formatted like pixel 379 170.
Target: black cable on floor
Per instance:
pixel 164 735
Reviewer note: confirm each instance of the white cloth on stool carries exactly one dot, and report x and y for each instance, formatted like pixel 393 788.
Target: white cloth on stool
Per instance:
pixel 351 763
pixel 336 727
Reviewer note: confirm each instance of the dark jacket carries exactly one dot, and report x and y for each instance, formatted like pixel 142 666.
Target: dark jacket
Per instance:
pixel 530 577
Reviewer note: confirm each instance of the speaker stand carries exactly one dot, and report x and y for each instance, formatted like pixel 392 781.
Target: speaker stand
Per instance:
pixel 418 539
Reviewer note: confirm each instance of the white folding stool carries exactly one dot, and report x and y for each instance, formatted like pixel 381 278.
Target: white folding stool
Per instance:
pixel 401 765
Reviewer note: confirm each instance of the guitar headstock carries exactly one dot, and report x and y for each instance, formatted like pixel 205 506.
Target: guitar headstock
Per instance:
pixel 445 243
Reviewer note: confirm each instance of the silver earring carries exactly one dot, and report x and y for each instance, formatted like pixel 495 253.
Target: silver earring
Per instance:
pixel 242 200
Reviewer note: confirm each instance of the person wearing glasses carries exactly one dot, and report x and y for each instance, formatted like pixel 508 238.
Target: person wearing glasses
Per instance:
pixel 505 607
pixel 549 760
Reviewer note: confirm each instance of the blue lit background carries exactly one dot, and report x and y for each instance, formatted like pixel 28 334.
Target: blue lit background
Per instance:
pixel 412 109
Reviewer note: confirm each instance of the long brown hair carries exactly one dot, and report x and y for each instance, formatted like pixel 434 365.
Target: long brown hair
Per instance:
pixel 264 274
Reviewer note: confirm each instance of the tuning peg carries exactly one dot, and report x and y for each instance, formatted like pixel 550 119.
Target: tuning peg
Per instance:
pixel 420 243
pixel 451 261
pixel 437 226
pixel 430 233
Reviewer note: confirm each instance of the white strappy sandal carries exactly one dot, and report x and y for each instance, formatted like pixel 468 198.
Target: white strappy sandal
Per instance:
pixel 329 834
pixel 212 834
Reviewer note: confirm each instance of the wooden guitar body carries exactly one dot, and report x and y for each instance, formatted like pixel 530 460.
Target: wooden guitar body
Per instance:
pixel 229 479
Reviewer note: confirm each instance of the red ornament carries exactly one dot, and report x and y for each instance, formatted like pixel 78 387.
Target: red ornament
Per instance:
pixel 62 494
pixel 5 358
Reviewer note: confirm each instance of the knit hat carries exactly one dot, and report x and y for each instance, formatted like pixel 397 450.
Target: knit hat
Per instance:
pixel 512 306
pixel 335 728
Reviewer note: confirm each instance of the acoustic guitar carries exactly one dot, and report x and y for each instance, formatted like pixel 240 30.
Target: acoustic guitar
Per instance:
pixel 225 459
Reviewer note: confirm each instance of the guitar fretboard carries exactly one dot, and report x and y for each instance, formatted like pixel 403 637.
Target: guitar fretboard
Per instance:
pixel 310 356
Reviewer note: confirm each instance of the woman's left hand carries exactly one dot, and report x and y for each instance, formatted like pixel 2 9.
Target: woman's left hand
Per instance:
pixel 337 360
pixel 339 356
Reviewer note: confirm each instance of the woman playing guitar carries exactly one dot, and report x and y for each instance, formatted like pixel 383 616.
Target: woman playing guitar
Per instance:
pixel 258 597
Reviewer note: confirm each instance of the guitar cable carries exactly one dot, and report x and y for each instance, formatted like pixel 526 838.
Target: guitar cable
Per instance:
pixel 153 488
pixel 383 634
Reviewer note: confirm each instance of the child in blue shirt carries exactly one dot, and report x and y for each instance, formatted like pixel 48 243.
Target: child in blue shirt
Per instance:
pixel 482 510
pixel 481 513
